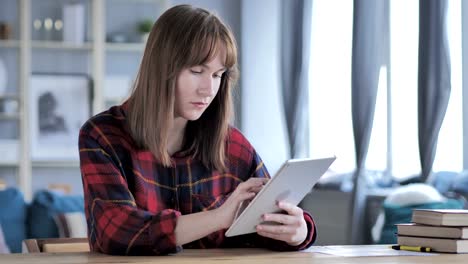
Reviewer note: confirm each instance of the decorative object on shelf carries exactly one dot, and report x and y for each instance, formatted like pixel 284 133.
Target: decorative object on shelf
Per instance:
pixel 5 30
pixel 48 26
pixel 9 106
pixel 117 38
pixel 74 23
pixel 3 77
pixel 144 28
pixel 59 105
pixel 58 26
pixel 37 26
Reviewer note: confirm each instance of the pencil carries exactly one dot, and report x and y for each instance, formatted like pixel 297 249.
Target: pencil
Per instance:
pixel 412 248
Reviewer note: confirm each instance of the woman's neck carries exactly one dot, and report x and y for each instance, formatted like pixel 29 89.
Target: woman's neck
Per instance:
pixel 176 135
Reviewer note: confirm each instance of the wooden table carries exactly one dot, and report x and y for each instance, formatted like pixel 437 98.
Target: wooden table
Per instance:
pixel 260 256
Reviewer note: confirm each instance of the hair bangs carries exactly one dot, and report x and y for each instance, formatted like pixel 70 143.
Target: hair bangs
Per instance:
pixel 206 45
pixel 203 50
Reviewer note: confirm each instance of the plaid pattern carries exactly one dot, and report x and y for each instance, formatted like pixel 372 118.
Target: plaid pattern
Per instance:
pixel 132 202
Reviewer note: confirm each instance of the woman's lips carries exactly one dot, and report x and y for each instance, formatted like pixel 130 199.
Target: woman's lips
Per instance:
pixel 199 104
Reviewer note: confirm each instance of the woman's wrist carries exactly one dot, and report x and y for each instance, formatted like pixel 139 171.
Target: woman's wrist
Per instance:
pixel 220 218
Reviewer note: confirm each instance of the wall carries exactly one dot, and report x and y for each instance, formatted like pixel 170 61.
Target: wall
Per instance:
pixel 262 121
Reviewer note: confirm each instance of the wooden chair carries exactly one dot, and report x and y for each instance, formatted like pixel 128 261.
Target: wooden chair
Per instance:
pixel 55 245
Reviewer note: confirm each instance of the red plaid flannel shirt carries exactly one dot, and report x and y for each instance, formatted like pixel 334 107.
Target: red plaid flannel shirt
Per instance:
pixel 132 202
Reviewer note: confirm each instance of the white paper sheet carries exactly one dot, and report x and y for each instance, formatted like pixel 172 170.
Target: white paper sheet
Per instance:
pixel 364 251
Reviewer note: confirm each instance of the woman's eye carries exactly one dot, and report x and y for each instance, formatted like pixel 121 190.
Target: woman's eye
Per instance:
pixel 195 71
pixel 219 75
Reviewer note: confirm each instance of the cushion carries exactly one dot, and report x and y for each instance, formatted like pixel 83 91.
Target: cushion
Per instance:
pixel 4 249
pixel 43 209
pixel 443 180
pixel 71 224
pixel 13 211
pixel 413 194
pixel 460 183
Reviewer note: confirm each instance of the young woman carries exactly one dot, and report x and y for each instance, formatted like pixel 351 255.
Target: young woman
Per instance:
pixel 165 169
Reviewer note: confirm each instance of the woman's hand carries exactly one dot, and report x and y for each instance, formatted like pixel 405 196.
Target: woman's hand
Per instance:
pixel 244 192
pixel 292 227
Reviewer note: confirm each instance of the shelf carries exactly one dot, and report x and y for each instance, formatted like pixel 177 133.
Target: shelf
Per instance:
pixel 132 47
pixel 56 164
pixel 9 43
pixel 9 116
pixel 44 164
pixel 38 44
pixel 8 164
pixel 9 96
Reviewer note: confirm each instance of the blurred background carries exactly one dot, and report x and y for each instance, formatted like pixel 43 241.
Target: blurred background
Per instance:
pixel 380 84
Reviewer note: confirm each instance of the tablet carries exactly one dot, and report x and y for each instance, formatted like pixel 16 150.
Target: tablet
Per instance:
pixel 292 182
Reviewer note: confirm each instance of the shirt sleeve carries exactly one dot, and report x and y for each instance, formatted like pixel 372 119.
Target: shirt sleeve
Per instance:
pixel 116 225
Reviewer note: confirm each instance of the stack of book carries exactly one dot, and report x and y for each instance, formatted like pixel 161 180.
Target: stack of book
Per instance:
pixel 442 230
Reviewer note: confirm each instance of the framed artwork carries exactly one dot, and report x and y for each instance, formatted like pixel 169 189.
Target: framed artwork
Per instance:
pixel 58 107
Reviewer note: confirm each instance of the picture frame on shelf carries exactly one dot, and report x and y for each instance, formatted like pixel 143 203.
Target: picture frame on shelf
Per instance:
pixel 59 104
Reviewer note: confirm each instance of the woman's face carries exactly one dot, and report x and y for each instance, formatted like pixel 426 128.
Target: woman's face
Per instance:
pixel 197 86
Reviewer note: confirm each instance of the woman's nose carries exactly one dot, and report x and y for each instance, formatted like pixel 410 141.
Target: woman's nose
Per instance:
pixel 207 86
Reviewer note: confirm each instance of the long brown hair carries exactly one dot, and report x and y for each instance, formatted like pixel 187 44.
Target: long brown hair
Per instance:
pixel 183 37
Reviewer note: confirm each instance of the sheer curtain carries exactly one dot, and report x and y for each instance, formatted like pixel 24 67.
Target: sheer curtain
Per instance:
pixel 433 79
pixel 331 130
pixel 449 155
pixel 404 20
pixel 370 35
pixel 295 32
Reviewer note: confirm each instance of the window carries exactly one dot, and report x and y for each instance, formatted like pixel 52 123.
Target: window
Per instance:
pixel 404 24
pixel 394 141
pixel 331 127
pixel 449 155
